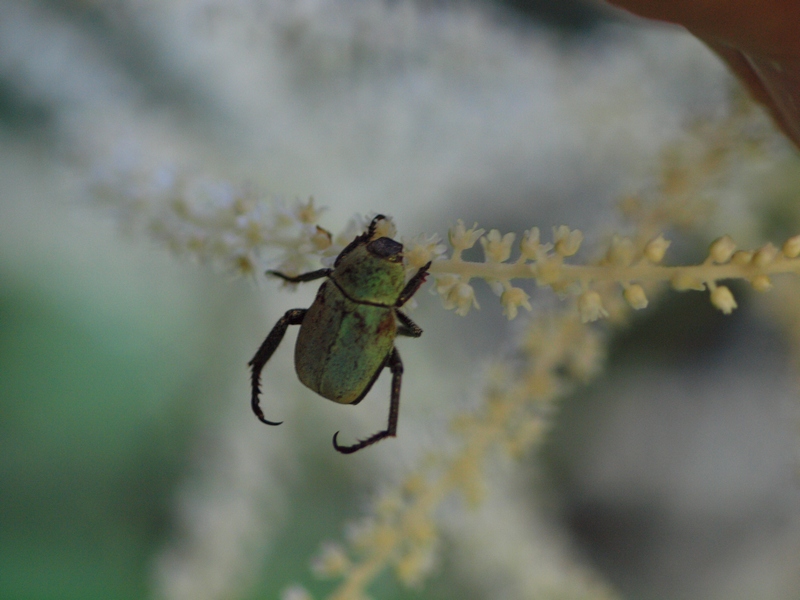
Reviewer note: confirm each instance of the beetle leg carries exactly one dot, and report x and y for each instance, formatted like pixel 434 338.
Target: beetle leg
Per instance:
pixel 364 237
pixel 373 225
pixel 292 317
pixel 396 367
pixel 311 276
pixel 407 326
pixel 413 285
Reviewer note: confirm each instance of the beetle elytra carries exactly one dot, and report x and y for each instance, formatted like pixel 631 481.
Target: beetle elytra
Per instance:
pixel 347 335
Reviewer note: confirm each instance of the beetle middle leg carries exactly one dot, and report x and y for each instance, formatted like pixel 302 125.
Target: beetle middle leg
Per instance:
pixel 407 327
pixel 268 347
pixel 396 367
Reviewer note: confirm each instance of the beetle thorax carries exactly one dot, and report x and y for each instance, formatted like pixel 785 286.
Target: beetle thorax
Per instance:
pixel 364 276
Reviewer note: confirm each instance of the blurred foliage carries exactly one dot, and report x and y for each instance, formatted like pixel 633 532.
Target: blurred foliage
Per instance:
pixel 91 442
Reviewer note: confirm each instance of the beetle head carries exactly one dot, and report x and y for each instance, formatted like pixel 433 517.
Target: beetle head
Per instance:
pixel 371 271
pixel 386 248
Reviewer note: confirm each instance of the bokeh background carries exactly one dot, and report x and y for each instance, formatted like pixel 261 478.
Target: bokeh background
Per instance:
pixel 130 465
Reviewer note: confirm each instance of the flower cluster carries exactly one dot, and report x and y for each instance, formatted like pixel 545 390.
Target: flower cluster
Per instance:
pixel 627 262
pixel 558 350
pixel 218 222
pixel 401 530
pixel 233 227
pixel 691 170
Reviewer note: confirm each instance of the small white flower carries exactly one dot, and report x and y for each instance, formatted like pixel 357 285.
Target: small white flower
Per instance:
pixel 620 252
pixel 419 250
pixel 635 296
pixel 761 283
pixel 764 255
pixel 455 294
pixel 462 238
pixel 742 257
pixel 497 248
pixel 722 249
pixel 444 283
pixel 656 248
pixel 530 246
pixel 791 248
pixel 512 299
pixel 566 241
pixel 722 298
pixel 590 306
pixel 307 212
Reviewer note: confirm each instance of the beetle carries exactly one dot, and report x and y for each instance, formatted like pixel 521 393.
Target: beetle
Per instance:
pixel 347 335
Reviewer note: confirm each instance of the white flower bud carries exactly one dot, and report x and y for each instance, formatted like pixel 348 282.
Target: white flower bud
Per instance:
pixel 590 306
pixel 761 283
pixel 791 248
pixel 722 298
pixel 656 248
pixel 635 296
pixel 462 238
pixel 512 299
pixel 497 248
pixel 419 250
pixel 530 246
pixel 455 294
pixel 567 242
pixel 742 258
pixel 722 249
pixel 764 255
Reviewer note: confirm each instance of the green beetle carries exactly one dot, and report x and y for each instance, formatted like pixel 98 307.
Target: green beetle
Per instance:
pixel 347 335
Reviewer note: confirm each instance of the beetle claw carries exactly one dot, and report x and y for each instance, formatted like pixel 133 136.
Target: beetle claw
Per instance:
pixel 337 447
pixel 263 420
pixel 359 444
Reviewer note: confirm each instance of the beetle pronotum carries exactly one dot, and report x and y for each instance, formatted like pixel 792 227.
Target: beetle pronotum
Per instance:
pixel 347 334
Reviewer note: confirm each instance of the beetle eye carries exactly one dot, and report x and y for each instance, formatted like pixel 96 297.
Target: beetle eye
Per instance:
pixel 385 248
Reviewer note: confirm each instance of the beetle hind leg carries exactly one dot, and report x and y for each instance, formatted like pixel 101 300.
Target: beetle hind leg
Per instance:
pixel 268 347
pixel 396 367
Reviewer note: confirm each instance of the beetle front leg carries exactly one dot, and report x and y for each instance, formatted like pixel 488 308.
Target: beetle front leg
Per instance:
pixel 413 285
pixel 311 276
pixel 361 239
pixel 396 367
pixel 292 317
